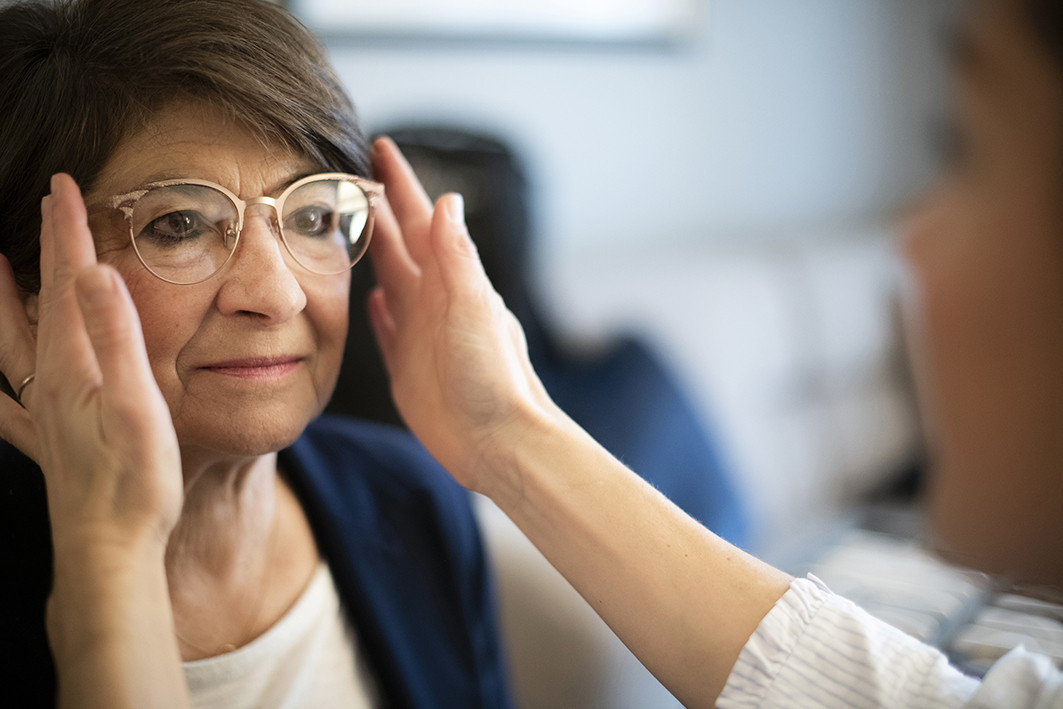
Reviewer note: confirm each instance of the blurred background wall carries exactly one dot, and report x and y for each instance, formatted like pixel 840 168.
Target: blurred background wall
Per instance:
pixel 731 195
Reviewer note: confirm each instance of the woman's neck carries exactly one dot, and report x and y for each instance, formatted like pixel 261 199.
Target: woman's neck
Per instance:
pixel 239 557
pixel 227 516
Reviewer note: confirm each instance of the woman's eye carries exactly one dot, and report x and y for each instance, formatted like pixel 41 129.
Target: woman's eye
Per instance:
pixel 175 226
pixel 311 221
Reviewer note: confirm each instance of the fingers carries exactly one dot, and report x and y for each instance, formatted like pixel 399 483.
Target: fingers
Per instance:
pixel 72 248
pixel 455 253
pixel 114 330
pixel 66 249
pixel 395 269
pixel 411 206
pixel 451 268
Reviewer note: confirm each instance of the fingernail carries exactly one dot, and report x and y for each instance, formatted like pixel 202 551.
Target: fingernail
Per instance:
pixel 54 183
pixel 456 208
pixel 380 146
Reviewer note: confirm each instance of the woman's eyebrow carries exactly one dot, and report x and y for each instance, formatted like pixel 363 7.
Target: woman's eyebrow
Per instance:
pixel 292 180
pixel 160 176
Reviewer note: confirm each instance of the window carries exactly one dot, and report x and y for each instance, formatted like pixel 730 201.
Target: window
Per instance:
pixel 549 20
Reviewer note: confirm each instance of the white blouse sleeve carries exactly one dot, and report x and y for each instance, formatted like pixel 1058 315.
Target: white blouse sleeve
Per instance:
pixel 1021 680
pixel 815 649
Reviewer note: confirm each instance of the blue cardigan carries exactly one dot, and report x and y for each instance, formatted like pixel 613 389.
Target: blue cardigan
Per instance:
pixel 400 540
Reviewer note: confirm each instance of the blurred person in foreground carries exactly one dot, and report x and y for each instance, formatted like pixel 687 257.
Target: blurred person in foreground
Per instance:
pixel 715 625
pixel 298 561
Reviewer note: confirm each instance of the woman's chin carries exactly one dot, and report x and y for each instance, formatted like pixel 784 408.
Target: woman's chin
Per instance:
pixel 250 420
pixel 243 433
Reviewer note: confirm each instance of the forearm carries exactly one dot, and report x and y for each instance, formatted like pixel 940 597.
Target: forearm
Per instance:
pixel 111 629
pixel 682 599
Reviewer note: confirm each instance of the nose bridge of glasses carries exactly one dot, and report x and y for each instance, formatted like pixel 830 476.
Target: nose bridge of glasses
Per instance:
pixel 266 208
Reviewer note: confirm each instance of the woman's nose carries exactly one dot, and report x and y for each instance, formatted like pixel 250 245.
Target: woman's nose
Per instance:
pixel 259 278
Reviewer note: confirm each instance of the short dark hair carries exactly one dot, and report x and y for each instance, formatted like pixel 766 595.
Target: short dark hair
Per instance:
pixel 77 76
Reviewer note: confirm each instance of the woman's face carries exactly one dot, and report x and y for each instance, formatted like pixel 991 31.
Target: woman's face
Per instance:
pixel 986 248
pixel 248 357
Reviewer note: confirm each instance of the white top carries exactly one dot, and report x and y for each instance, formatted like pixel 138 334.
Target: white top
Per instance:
pixel 815 649
pixel 309 658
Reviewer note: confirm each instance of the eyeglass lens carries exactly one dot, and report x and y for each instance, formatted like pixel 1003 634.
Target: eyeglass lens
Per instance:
pixel 185 233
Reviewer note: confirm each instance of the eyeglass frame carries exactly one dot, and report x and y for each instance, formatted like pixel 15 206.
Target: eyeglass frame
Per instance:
pixel 125 203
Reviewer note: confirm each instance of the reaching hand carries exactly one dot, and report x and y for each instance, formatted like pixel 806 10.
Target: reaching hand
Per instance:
pixel 457 358
pixel 462 381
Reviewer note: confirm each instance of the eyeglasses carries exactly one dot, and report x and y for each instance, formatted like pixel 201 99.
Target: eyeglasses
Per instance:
pixel 185 231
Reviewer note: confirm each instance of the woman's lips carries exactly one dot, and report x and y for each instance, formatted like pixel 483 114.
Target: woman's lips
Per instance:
pixel 256 367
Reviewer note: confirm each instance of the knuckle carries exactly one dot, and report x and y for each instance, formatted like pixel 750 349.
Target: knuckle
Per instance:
pixel 109 328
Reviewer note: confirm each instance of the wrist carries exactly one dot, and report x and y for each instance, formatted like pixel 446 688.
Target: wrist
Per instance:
pixel 505 458
pixel 110 628
pixel 85 545
pixel 102 590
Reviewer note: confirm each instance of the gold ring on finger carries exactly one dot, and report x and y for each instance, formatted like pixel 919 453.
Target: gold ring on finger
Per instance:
pixel 22 387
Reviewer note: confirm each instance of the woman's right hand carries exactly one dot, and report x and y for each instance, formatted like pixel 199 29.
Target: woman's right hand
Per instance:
pixel 457 358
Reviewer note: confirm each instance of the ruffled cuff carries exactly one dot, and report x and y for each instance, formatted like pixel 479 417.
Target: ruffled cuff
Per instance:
pixel 817 649
pixel 772 644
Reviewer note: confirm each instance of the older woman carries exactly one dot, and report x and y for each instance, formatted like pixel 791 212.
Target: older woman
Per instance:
pixel 224 175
